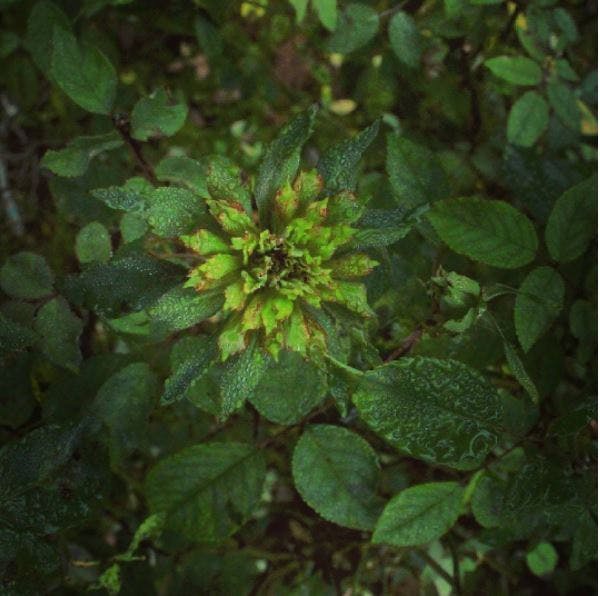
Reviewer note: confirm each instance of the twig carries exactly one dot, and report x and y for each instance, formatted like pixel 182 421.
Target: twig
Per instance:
pixel 122 124
pixel 455 566
pixel 435 566
pixel 10 205
pixel 406 346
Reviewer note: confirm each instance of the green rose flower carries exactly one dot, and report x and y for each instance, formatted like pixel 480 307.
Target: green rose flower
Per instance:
pixel 272 278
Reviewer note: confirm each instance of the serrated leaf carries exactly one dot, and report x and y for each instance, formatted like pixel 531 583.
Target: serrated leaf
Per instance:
pixel 184 171
pixel 489 231
pixel 538 303
pixel 517 70
pixel 281 160
pixel 441 411
pixel 124 198
pixel 358 24
pixel 289 389
pixel 44 16
pixel 59 330
pixel 528 119
pixel 241 375
pixel 415 173
pixel 338 165
pixel 124 403
pixel 74 159
pixel 157 115
pixel 180 308
pixel 207 491
pixel 572 222
pixel 190 359
pixel 336 472
pixel 405 39
pixel 83 73
pixel 224 182
pixel 26 275
pixel 136 281
pixel 175 211
pixel 93 243
pixel 420 514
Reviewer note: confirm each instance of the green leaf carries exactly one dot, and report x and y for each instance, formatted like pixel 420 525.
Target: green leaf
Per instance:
pixel 175 211
pixel 281 160
pixel 528 119
pixel 572 222
pixel 131 197
pixel 338 165
pixel 14 336
pixel 110 580
pixel 300 7
pixel 358 24
pixel 206 492
pixel 59 331
pixel 420 514
pixel 440 411
pixel 35 458
pixel 415 173
pixel 124 403
pixel 74 159
pixel 209 37
pixel 289 388
pixel 224 182
pixel 517 70
pixel 585 542
pixel 43 18
pixel 517 368
pixel 327 12
pixel 132 226
pixel 538 303
pixel 136 281
pixel 26 275
pixel 564 102
pixel 9 42
pixel 542 559
pixel 93 243
pixel 149 528
pixel 241 375
pixel 488 231
pixel 83 73
pixel 190 360
pixel 183 171
pixel 180 308
pixel 405 39
pixel 336 472
pixel 157 115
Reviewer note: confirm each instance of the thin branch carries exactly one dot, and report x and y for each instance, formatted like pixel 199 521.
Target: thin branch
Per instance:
pixel 406 346
pixel 435 566
pixel 121 122
pixel 9 203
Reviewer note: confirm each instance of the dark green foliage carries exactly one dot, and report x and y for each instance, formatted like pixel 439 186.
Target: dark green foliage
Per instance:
pixel 298 297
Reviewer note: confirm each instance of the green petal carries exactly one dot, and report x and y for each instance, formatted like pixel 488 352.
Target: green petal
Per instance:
pixel 205 243
pixel 351 266
pixel 231 217
pixel 308 185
